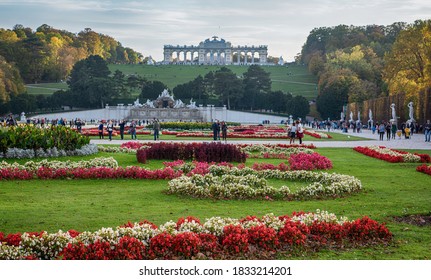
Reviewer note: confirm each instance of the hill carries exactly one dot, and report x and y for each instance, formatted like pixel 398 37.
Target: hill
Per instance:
pixel 293 78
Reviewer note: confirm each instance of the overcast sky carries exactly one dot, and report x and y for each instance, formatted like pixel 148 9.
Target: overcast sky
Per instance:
pixel 147 25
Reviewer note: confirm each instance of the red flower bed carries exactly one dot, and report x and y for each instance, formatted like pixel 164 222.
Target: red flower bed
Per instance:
pixel 424 157
pixel 235 240
pixel 303 161
pixel 15 173
pixel 424 169
pixel 316 135
pixel 389 157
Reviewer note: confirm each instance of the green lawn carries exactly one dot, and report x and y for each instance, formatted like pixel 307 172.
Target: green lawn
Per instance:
pixel 389 190
pixel 45 88
pixel 294 78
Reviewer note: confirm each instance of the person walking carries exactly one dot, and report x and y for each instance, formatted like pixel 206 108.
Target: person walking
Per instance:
pixel 132 130
pixel 156 128
pixel 394 129
pixel 299 131
pixel 381 130
pixel 292 133
pixel 78 124
pixel 427 131
pixel 122 125
pixel 110 129
pixel 215 127
pixel 224 131
pixel 388 131
pixel 100 129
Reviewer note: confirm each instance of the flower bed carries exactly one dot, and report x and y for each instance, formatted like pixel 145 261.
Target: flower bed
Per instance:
pixel 316 134
pixel 55 164
pixel 390 155
pixel 208 152
pixel 424 169
pixel 224 182
pixel 188 238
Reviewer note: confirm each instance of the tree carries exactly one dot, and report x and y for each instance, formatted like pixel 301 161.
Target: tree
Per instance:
pixel 152 89
pixel 11 83
pixel 227 86
pixel 408 65
pixel 90 83
pixel 334 91
pixel 300 107
pixel 256 83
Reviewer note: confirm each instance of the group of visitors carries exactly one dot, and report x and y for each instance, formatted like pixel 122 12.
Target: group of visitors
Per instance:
pixel 388 128
pixel 295 131
pixel 218 127
pixel 110 127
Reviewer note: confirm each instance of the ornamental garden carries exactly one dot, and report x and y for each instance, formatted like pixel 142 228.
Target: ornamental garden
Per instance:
pixel 64 198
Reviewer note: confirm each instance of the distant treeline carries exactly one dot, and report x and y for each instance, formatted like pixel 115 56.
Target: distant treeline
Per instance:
pixel 48 55
pixel 359 63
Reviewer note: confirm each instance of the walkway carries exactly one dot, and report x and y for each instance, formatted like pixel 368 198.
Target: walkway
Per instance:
pixel 417 141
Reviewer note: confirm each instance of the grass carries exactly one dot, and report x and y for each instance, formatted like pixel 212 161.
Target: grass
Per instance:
pixel 389 190
pixel 294 79
pixel 45 88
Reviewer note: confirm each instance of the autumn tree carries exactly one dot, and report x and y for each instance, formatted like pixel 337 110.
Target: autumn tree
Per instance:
pixel 408 65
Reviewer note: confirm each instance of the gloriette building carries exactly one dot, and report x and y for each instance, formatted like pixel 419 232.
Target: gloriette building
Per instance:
pixel 215 52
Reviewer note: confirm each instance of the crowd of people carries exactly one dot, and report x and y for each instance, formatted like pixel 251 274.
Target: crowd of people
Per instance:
pixel 295 129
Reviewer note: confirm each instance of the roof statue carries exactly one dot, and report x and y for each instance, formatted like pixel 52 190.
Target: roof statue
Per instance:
pixel 281 61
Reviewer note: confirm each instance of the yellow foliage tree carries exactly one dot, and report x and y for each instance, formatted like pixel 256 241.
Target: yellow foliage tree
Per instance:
pixel 408 65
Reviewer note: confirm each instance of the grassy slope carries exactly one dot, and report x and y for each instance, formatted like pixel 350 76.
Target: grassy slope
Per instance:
pixel 389 190
pixel 294 79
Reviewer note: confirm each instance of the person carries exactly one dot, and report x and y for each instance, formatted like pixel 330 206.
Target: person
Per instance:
pixel 292 133
pixel 224 131
pixel 10 121
pixel 427 131
pixel 101 130
pixel 388 131
pixel 132 130
pixel 373 128
pixel 156 128
pixel 394 129
pixel 110 129
pixel 218 130
pixel 215 128
pixel 122 124
pixel 78 124
pixel 300 131
pixel 381 130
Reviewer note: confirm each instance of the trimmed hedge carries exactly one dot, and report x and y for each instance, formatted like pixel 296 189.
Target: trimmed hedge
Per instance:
pixel 204 152
pixel 34 138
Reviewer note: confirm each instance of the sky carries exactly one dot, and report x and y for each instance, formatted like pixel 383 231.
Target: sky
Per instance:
pixel 147 25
